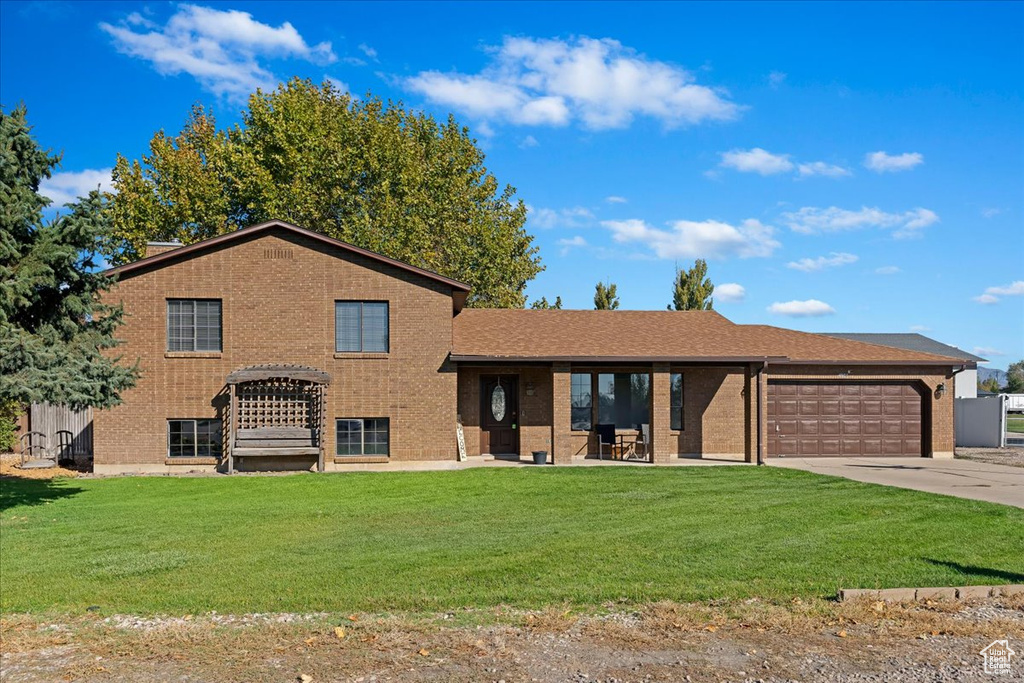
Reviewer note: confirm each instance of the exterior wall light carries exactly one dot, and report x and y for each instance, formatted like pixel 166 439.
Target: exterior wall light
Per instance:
pixel 940 390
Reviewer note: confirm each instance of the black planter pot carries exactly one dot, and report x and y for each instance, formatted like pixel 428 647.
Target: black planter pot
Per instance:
pixel 540 457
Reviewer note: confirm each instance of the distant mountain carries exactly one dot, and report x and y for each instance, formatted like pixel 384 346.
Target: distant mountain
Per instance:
pixel 985 373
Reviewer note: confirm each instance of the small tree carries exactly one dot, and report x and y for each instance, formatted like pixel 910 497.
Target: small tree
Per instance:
pixel 542 304
pixel 693 289
pixel 53 327
pixel 990 385
pixel 605 297
pixel 1015 378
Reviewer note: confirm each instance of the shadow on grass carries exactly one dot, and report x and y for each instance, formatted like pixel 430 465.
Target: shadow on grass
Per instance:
pixel 1012 577
pixel 15 492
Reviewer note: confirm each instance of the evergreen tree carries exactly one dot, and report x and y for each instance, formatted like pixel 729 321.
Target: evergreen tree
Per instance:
pixel 542 304
pixel 371 173
pixel 605 297
pixel 693 289
pixel 53 327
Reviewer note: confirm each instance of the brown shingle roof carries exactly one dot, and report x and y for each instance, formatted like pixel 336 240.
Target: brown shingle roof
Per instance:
pixel 506 334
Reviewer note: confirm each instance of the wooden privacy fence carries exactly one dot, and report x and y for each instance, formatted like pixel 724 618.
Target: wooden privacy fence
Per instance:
pixel 49 419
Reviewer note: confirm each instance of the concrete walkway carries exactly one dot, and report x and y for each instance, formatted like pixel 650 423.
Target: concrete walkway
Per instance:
pixel 963 478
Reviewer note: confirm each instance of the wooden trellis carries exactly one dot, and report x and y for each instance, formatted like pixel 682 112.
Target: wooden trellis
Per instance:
pixel 276 410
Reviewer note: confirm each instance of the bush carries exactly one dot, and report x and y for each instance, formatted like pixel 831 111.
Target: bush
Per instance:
pixel 9 411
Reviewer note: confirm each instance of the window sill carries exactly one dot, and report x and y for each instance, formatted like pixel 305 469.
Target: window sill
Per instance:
pixel 193 354
pixel 360 459
pixel 192 461
pixel 359 355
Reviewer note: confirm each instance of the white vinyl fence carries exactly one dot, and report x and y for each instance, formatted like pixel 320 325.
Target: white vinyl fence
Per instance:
pixel 980 422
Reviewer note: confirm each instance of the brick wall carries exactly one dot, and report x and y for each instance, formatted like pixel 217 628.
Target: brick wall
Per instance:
pixel 535 403
pixel 278 292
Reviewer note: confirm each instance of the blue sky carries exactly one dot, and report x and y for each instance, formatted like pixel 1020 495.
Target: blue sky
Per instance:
pixel 843 167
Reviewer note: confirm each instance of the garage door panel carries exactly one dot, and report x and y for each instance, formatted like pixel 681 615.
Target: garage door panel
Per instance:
pixel 786 408
pixel 845 418
pixel 892 446
pixel 871 446
pixel 892 407
pixel 829 407
pixel 808 428
pixel 830 427
pixel 871 427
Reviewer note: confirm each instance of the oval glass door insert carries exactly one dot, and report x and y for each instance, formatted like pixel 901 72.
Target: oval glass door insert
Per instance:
pixel 498 403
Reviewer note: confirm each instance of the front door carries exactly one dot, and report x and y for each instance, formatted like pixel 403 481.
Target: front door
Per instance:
pixel 499 410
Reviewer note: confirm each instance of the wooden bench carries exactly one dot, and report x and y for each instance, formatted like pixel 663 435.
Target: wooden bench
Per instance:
pixel 274 441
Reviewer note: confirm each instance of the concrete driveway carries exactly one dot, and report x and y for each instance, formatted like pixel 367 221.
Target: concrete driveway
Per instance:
pixel 963 478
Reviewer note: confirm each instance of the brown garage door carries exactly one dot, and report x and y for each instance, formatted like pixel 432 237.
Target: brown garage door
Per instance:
pixel 843 419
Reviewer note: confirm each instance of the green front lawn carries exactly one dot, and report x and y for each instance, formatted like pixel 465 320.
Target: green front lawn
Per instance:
pixel 481 537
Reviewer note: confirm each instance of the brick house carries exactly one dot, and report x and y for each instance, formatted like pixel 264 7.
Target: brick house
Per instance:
pixel 276 347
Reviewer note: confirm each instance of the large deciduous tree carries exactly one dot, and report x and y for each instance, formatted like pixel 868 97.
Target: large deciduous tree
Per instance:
pixel 692 289
pixel 53 326
pixel 367 172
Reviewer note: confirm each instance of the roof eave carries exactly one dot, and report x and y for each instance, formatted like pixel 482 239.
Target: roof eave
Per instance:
pixel 170 254
pixel 490 358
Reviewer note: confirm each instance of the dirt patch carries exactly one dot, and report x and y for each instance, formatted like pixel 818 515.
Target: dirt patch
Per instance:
pixel 9 469
pixel 747 641
pixel 1014 457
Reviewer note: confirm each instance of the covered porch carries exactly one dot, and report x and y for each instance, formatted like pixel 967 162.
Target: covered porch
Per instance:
pixel 656 412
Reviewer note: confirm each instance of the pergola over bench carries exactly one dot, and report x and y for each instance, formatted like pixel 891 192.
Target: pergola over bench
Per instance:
pixel 276 411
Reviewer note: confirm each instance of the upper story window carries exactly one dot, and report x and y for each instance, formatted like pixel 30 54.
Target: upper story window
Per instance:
pixel 361 326
pixel 193 325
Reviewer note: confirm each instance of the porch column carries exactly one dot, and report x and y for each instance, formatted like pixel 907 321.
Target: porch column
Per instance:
pixel 561 413
pixel 664 446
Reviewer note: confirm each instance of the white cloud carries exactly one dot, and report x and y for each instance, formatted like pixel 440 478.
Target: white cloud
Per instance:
pixel 527 142
pixel 601 83
pixel 809 265
pixel 888 270
pixel 568 244
pixel 993 294
pixel 730 292
pixel 990 212
pixel 614 199
pixel 756 160
pixel 811 308
pixel 880 162
pixel 810 220
pixel 547 219
pixel 693 239
pixel 920 328
pixel 219 48
pixel 776 78
pixel 986 351
pixel 368 51
pixel 66 187
pixel 823 169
